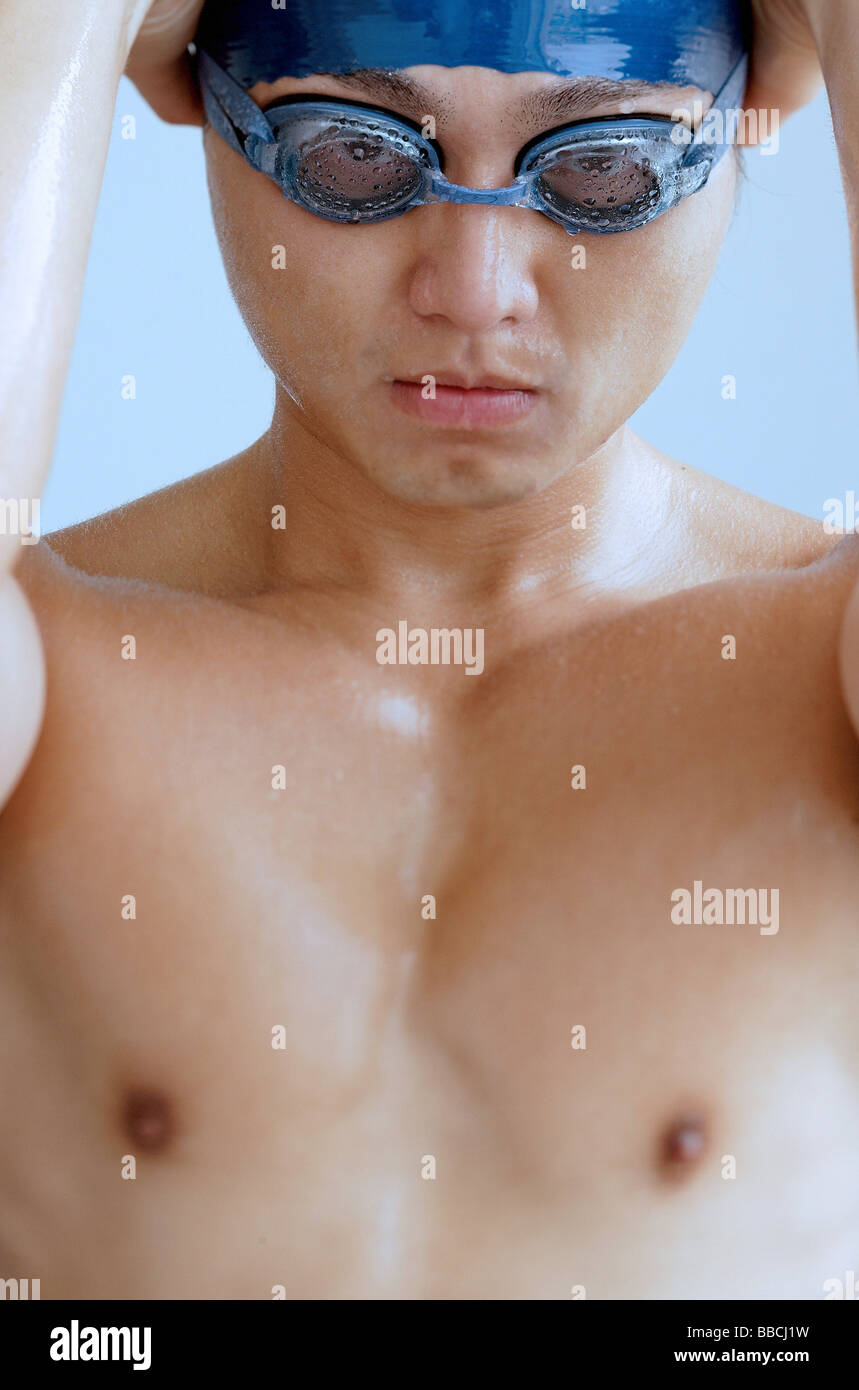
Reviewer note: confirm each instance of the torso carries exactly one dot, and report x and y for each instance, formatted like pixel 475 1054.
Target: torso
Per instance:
pixel 410 1038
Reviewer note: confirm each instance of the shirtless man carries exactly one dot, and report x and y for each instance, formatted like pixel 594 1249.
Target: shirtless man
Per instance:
pixel 332 976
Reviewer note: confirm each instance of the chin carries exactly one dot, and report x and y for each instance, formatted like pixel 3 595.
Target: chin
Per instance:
pixel 474 483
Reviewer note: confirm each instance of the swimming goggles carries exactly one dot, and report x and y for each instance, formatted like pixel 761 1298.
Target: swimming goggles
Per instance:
pixel 350 162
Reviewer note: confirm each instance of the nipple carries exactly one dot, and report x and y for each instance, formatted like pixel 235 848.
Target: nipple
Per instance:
pixel 147 1120
pixel 682 1144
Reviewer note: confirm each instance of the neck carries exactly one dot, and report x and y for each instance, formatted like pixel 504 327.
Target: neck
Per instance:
pixel 598 531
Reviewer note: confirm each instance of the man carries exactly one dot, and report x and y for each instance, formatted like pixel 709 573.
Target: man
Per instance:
pixel 335 968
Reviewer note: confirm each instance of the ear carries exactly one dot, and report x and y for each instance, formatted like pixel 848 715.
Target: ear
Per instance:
pixel 171 90
pixel 849 657
pixel 785 71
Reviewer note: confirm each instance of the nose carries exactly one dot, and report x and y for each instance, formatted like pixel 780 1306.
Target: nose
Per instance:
pixel 476 266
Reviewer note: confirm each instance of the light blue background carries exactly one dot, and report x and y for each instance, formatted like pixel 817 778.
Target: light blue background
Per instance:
pixel 779 316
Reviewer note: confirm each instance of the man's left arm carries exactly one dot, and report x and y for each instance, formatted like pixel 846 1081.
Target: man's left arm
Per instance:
pixel 794 41
pixel 836 31
pixel 837 38
pixel 834 25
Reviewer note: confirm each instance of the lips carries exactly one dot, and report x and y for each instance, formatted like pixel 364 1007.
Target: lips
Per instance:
pixel 483 383
pixel 488 402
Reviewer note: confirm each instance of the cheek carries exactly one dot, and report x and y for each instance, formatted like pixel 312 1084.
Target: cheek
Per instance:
pixel 680 250
pixel 631 308
pixel 303 287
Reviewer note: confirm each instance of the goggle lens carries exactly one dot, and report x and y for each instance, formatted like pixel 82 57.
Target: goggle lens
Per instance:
pixel 354 170
pixel 600 186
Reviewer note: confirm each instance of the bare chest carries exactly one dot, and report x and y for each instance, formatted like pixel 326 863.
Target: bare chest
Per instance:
pixel 347 989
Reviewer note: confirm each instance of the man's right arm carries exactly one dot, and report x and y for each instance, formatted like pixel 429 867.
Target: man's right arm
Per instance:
pixel 60 67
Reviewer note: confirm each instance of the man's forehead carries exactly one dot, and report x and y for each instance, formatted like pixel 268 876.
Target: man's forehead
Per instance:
pixel 537 98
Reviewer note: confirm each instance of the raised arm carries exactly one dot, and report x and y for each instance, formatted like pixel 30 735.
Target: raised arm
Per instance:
pixel 60 65
pixel 795 42
pixel 838 41
pixel 835 24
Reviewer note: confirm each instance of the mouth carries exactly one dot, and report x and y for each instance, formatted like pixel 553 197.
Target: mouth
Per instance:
pixel 487 402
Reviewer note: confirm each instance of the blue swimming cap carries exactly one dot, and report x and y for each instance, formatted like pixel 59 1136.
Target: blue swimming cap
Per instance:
pixel 683 41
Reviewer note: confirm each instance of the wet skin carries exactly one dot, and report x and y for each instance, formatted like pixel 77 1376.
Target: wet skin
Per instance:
pixel 427 1129
pixel 406 1037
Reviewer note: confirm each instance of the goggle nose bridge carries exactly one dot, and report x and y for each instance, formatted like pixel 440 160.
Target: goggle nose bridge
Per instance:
pixel 443 191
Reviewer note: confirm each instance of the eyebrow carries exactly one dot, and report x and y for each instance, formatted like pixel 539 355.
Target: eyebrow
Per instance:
pixel 564 100
pixel 580 95
pixel 412 97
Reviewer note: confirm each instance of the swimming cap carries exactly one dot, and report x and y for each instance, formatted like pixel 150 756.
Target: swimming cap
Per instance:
pixel 682 41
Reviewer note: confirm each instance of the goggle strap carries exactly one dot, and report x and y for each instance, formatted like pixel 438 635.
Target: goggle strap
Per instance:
pixel 229 108
pixel 729 98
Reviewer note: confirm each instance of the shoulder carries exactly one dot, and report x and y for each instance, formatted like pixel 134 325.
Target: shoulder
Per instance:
pixel 188 537
pixel 760 648
pixel 138 574
pixel 739 533
pixel 804 617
